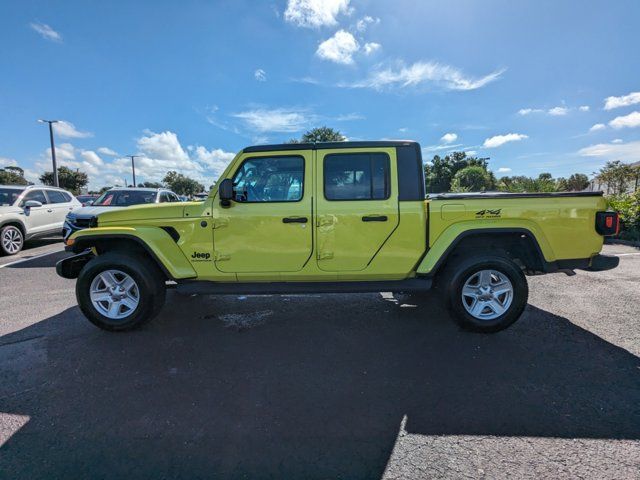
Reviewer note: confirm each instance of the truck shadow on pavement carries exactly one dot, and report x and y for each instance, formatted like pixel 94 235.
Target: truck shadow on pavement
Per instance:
pixel 296 387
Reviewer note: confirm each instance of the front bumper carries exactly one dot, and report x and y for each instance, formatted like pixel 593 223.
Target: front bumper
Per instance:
pixel 600 263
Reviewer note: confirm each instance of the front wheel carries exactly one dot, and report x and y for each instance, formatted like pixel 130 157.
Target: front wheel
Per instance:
pixel 487 293
pixel 11 240
pixel 119 292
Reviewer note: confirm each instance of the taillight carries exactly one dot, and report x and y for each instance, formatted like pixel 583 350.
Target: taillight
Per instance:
pixel 607 223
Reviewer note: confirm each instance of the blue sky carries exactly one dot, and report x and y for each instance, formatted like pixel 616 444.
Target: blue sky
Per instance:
pixel 536 86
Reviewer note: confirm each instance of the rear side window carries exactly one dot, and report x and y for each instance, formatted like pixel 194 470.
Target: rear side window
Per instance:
pixel 57 197
pixel 357 176
pixel 37 195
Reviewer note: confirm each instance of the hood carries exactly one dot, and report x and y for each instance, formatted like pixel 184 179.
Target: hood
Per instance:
pixel 153 211
pixel 88 212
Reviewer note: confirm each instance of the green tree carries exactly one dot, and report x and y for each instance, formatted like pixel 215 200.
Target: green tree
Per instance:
pixel 12 176
pixel 440 171
pixel 471 179
pixel 520 184
pixel 72 180
pixel 577 182
pixel 617 176
pixel 320 134
pixel 181 184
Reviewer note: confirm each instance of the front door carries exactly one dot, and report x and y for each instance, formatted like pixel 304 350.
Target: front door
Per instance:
pixel 268 227
pixel 37 219
pixel 357 205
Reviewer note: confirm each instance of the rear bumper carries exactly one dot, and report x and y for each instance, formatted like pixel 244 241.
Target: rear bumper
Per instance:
pixel 600 263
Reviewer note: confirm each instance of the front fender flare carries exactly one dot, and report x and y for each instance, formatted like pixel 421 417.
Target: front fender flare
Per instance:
pixel 154 240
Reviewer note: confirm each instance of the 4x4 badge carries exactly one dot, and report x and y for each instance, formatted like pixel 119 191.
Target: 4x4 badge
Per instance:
pixel 488 213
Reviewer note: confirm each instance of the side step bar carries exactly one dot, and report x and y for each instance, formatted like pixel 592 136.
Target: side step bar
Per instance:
pixel 217 288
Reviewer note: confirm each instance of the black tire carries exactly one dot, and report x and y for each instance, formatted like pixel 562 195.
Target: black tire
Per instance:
pixel 465 269
pixel 150 285
pixel 16 237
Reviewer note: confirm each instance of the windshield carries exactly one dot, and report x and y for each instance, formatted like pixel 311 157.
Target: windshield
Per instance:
pixel 124 198
pixel 8 196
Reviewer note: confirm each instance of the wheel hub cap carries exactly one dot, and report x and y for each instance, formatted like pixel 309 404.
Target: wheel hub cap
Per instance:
pixel 487 294
pixel 12 240
pixel 114 294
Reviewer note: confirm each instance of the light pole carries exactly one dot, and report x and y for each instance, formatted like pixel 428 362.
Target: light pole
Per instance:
pixel 53 151
pixel 133 167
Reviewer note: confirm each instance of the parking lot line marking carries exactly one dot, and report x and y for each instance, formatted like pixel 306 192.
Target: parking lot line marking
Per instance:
pixel 625 254
pixel 22 260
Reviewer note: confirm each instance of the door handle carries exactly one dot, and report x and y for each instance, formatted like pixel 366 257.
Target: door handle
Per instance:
pixel 49 210
pixel 295 220
pixel 375 218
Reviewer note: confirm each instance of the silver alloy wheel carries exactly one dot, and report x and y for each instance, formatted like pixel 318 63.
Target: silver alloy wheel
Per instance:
pixel 12 240
pixel 114 294
pixel 487 294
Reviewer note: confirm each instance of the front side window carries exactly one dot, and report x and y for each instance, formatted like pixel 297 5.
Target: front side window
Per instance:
pixel 37 195
pixel 269 179
pixel 357 176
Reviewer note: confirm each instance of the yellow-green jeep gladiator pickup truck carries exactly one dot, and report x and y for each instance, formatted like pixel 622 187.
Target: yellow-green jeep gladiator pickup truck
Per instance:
pixel 335 218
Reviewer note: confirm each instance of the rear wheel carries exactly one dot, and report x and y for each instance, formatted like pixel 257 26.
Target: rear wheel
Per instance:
pixel 486 293
pixel 11 240
pixel 119 292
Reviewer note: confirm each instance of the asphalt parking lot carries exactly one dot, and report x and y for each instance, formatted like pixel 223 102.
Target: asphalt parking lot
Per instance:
pixel 321 386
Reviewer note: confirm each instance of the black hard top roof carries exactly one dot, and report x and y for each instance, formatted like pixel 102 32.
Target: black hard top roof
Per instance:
pixel 327 145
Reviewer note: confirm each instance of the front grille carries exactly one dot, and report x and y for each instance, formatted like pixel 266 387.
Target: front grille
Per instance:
pixel 82 222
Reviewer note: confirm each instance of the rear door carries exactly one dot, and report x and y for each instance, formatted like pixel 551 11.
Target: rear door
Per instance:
pixel 357 205
pixel 60 205
pixel 268 226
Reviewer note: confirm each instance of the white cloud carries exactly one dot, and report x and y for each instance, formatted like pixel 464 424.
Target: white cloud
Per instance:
pixel 418 73
pixel 7 162
pixel 107 151
pixel 624 101
pixel 627 121
pixel 162 146
pixel 584 108
pixel 558 111
pixel 504 170
pixel 627 152
pixel 315 13
pixel 617 140
pixel 339 48
pixel 66 129
pixel 371 47
pixel 597 126
pixel 499 140
pixel 528 111
pixel 260 75
pixel 275 120
pixel 215 160
pixel 449 137
pixel 46 32
pixel 364 22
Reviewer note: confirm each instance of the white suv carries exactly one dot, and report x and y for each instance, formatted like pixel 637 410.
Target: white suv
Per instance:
pixel 33 211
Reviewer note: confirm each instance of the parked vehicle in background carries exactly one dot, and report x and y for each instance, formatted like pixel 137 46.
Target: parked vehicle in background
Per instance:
pixel 32 211
pixel 199 197
pixel 86 200
pixel 336 217
pixel 113 199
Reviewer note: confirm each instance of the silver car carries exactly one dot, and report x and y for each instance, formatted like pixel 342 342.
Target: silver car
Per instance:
pixel 113 199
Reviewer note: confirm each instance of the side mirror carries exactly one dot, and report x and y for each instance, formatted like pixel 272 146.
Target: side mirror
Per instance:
pixel 225 190
pixel 32 203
